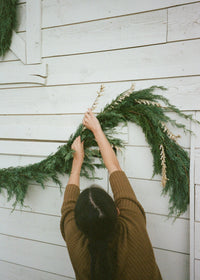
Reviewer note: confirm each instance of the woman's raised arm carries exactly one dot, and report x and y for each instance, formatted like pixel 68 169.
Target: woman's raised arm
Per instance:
pixel 110 160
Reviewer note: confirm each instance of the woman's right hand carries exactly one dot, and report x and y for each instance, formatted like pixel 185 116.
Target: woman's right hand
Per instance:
pixel 91 122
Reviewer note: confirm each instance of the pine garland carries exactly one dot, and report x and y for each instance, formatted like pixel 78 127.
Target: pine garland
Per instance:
pixel 141 107
pixel 8 22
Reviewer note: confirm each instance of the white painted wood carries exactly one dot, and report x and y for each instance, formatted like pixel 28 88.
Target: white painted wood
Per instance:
pixel 197 240
pixel 197 203
pixel 128 31
pixel 181 92
pixel 171 65
pixel 136 135
pixel 45 228
pixel 149 193
pixel 172 265
pixel 9 160
pixel 33 31
pixel 66 12
pixel 44 201
pixel 197 270
pixel 21 17
pixel 197 166
pixel 36 227
pixel 50 100
pixel 183 22
pixel 127 64
pixel 11 271
pixel 139 163
pixel 28 148
pixel 42 256
pixel 192 201
pixel 47 127
pixel 177 233
pixel 63 12
pixel 19 73
pixel 18 46
pixel 8 56
pixel 57 127
pixel 119 64
pixel 198 131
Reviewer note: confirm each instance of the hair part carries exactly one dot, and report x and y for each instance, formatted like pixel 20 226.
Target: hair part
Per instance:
pixel 96 217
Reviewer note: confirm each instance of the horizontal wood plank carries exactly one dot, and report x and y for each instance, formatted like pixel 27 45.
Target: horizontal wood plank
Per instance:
pixel 181 92
pixel 137 137
pixel 58 127
pixel 45 228
pixel 47 127
pixel 43 256
pixel 149 194
pixel 183 22
pixel 13 271
pixel 129 31
pixel 172 265
pixel 65 12
pixel 32 226
pixel 44 201
pixel 177 233
pixel 126 64
pixel 139 163
pixel 28 148
pixel 21 74
pixel 14 250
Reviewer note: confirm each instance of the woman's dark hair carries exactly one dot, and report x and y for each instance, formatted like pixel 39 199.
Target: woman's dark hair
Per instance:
pixel 96 217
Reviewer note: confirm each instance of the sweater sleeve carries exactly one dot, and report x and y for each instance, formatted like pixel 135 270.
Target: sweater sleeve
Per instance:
pixel 67 222
pixel 124 195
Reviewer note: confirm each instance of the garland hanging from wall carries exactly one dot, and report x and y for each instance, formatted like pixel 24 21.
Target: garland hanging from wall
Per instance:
pixel 8 22
pixel 140 107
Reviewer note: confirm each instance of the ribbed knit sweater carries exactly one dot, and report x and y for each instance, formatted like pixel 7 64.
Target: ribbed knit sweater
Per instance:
pixel 136 260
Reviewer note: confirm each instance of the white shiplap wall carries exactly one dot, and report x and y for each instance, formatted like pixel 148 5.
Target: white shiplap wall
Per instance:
pixel 86 43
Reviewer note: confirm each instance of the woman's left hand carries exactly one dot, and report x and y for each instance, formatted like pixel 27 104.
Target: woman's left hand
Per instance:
pixel 77 146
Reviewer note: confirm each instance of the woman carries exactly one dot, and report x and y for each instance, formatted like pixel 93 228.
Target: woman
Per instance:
pixel 106 238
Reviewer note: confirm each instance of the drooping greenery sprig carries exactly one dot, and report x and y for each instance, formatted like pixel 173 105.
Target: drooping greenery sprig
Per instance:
pixel 143 107
pixel 8 22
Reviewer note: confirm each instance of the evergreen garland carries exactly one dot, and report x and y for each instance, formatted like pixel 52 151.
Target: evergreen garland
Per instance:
pixel 140 107
pixel 8 22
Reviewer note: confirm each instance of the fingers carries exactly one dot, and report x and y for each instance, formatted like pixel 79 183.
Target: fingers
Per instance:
pixel 77 141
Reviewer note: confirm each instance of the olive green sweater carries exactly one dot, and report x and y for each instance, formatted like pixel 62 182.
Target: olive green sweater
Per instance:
pixel 136 259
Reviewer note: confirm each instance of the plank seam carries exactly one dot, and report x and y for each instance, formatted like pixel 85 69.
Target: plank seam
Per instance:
pixel 106 82
pixel 111 50
pixel 34 240
pixel 64 246
pixel 36 269
pixel 119 16
pixel 122 49
pixel 171 251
